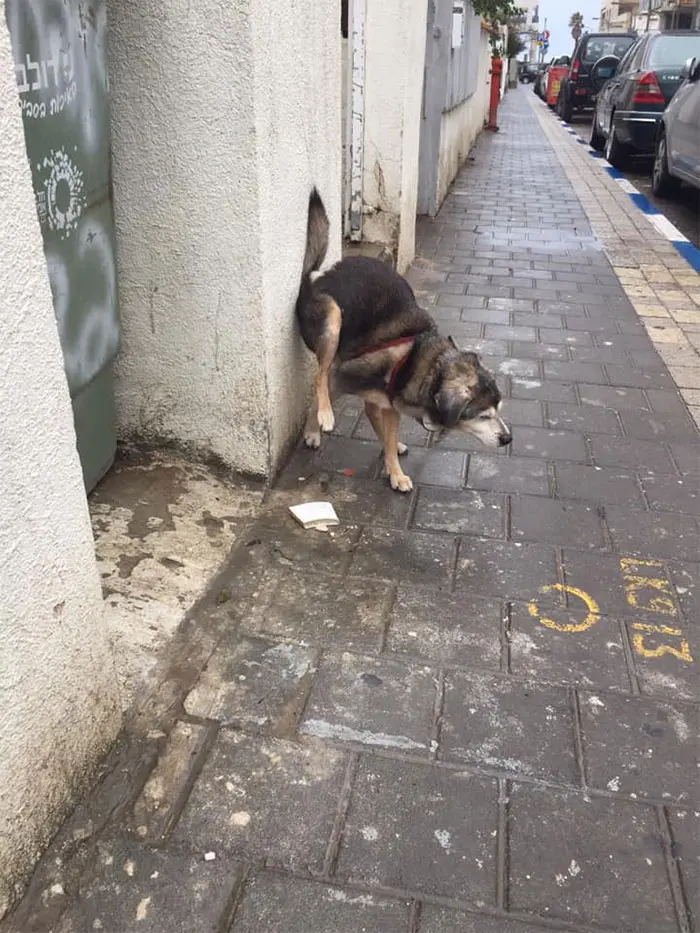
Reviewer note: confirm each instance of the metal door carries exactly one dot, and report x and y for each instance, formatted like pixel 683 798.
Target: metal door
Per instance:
pixel 60 54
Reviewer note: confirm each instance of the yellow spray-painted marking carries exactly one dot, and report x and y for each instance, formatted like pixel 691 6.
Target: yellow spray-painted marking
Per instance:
pixel 637 583
pixel 682 652
pixel 592 606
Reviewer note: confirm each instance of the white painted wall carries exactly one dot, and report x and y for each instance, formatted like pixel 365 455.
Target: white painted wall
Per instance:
pixel 462 125
pixel 395 53
pixel 59 708
pixel 224 115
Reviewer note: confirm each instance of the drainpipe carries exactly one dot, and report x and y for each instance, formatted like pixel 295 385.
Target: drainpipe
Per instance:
pixel 357 116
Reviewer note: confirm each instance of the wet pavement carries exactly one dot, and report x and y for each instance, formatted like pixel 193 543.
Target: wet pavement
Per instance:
pixel 472 708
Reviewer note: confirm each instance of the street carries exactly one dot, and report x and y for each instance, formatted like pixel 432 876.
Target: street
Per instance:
pixel 683 210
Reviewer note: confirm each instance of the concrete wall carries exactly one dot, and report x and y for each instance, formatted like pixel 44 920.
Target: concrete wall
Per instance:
pixel 59 708
pixel 395 50
pixel 224 115
pixel 462 124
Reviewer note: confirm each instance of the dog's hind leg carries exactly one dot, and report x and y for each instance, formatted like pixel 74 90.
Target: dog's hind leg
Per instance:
pixel 376 419
pixel 397 477
pixel 324 322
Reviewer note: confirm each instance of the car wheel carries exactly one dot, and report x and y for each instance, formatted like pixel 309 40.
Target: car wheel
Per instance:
pixel 564 106
pixel 663 183
pixel 597 140
pixel 615 152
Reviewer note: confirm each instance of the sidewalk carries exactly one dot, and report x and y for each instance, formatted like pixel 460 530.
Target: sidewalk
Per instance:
pixel 468 710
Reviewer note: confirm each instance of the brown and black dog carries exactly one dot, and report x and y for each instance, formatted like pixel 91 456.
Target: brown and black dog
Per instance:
pixel 361 320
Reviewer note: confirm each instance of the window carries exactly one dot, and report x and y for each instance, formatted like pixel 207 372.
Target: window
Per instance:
pixel 457 24
pixel 463 68
pixel 674 51
pixel 599 46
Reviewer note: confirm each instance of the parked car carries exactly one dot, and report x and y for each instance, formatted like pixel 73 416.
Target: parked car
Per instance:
pixel 577 91
pixel 677 155
pixel 634 92
pixel 530 72
pixel 541 83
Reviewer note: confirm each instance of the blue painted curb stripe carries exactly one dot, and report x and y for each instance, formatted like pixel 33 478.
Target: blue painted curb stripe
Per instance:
pixel 687 250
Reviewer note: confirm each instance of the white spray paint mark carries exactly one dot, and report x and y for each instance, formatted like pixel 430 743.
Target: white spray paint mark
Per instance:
pixel 574 868
pixel 366 900
pixel 370 834
pixel 614 784
pixel 444 839
pixel 240 818
pixel 142 909
pixel 328 730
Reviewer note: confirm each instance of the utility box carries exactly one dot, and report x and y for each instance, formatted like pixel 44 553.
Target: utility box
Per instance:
pixel 60 53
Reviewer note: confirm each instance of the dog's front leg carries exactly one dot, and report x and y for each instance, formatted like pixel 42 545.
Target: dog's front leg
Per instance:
pixel 397 477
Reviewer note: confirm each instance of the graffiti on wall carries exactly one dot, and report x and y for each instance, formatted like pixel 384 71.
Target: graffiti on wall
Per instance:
pixel 60 54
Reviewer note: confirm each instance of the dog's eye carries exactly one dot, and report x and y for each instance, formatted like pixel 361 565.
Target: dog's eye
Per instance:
pixel 484 417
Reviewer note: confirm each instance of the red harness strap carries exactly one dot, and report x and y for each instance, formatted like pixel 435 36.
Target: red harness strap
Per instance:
pixel 391 385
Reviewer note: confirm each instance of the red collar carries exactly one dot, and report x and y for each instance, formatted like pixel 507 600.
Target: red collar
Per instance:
pixel 391 384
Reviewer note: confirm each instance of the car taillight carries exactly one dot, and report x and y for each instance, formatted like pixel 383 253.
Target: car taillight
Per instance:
pixel 648 90
pixel 575 69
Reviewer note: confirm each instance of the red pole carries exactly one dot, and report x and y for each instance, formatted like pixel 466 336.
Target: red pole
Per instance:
pixel 496 73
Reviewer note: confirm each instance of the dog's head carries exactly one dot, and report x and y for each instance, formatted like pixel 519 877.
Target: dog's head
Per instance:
pixel 466 398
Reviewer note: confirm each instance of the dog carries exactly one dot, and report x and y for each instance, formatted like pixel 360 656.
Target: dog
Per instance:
pixel 362 322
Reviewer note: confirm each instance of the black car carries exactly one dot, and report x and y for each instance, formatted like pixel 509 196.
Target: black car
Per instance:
pixel 577 91
pixel 635 91
pixel 530 72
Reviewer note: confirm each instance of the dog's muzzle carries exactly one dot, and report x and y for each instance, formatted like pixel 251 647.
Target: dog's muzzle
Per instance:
pixel 505 439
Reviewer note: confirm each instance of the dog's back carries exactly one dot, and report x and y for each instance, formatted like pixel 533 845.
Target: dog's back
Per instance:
pixel 377 305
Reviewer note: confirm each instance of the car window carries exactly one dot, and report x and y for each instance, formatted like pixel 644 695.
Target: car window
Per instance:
pixel 673 51
pixel 627 59
pixel 599 46
pixel 636 54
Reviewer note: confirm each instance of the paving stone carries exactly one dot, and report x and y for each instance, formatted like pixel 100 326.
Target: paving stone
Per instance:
pixel 501 332
pixel 540 351
pixel 335 453
pixel 526 369
pixel 548 444
pixel 657 426
pixel 446 846
pixel 503 724
pixel 666 654
pixel 639 378
pixel 264 798
pixel 686 580
pixel 287 544
pixel 372 702
pixel 576 372
pixel 512 475
pixel 597 484
pixel 560 524
pixel 588 860
pixel 254 684
pixel 438 920
pixel 543 391
pixel 685 832
pixel 516 412
pixel 612 397
pixel 686 459
pixel 155 807
pixel 504 568
pixel 639 746
pixel 357 501
pixel 633 454
pixel 559 645
pixel 670 403
pixel 436 467
pixel 445 627
pixel 291 905
pixel 420 558
pixel 321 610
pixel 130 887
pixel 672 493
pixel 654 534
pixel 583 418
pixel 468 512
pixel 486 315
pixel 410 432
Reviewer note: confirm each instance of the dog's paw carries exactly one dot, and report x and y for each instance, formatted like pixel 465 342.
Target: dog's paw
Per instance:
pixel 326 420
pixel 402 449
pixel 312 439
pixel 401 482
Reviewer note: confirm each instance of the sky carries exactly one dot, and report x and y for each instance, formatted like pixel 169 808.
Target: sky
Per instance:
pixel 558 13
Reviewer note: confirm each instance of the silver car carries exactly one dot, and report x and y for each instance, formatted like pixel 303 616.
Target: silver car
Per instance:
pixel 677 156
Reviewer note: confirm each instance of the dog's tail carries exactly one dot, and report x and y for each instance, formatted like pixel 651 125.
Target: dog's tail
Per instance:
pixel 316 248
pixel 316 235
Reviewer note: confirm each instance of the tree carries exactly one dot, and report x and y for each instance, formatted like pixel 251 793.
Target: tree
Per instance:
pixel 496 13
pixel 515 44
pixel 576 26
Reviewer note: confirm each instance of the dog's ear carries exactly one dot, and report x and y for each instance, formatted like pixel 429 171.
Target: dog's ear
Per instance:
pixel 450 401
